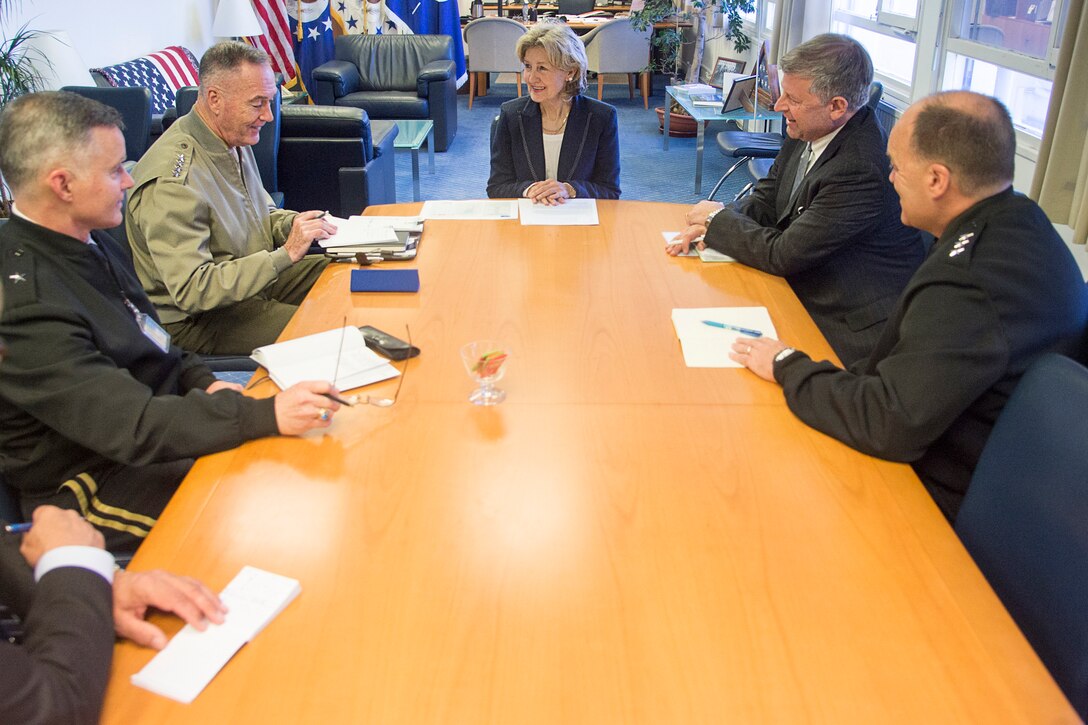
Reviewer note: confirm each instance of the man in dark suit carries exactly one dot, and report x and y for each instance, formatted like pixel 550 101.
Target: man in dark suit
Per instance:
pixel 998 289
pixel 825 217
pixel 59 672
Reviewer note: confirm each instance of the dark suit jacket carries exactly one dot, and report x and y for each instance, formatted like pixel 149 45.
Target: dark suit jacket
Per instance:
pixel 998 289
pixel 59 673
pixel 589 159
pixel 840 243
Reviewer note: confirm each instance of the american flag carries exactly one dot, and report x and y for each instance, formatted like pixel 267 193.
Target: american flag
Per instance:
pixel 162 72
pixel 276 40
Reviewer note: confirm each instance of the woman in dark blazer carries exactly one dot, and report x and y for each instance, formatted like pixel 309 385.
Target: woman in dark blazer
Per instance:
pixel 555 144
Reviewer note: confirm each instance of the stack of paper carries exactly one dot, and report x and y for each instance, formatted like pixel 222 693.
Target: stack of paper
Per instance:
pixel 185 666
pixel 371 233
pixel 706 346
pixel 574 212
pixel 341 353
pixel 472 209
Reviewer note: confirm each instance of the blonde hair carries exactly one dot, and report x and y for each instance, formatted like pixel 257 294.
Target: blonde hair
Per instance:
pixel 564 49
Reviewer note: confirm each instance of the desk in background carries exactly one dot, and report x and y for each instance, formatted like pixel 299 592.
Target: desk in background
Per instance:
pixel 623 540
pixel 702 116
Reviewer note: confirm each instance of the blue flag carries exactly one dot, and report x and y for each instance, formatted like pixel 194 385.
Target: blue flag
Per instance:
pixel 315 46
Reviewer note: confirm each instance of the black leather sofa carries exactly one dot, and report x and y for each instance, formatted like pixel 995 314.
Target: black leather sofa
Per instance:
pixel 393 77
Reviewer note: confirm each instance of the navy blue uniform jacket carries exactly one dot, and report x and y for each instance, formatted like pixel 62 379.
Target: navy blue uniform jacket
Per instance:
pixel 589 159
pixel 998 289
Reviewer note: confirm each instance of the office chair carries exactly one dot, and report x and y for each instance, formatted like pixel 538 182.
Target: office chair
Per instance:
pixel 1023 519
pixel 575 7
pixel 744 145
pixel 617 47
pixel 491 43
pixel 757 169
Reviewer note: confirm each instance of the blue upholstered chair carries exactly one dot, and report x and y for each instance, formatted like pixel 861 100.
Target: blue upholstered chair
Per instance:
pixel 1025 517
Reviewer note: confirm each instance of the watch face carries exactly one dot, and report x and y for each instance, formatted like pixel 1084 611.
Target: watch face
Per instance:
pixel 783 354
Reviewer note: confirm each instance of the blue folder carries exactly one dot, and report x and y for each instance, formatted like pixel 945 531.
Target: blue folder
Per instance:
pixel 385 280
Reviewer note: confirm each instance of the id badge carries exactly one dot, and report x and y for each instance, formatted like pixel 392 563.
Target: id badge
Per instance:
pixel 153 331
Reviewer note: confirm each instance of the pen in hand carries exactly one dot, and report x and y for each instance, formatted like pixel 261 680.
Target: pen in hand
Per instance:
pixel 734 328
pixel 17 528
pixel 342 401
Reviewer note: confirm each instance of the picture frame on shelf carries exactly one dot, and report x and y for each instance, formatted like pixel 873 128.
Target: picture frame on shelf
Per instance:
pixel 725 66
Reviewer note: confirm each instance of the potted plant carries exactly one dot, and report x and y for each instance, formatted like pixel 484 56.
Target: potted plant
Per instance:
pixel 668 43
pixel 20 73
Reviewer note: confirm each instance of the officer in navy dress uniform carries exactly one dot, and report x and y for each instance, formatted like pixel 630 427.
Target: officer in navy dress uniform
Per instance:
pixel 998 289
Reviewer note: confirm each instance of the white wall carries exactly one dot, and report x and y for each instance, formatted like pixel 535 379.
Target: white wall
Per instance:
pixel 110 31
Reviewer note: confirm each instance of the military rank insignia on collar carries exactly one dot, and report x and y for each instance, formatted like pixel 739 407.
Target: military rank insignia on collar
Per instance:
pixel 961 243
pixel 178 164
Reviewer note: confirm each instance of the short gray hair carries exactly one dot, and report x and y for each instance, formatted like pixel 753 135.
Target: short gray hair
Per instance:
pixel 565 51
pixel 226 57
pixel 838 66
pixel 41 129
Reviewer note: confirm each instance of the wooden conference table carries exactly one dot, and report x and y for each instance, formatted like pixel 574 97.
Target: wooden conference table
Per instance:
pixel 623 540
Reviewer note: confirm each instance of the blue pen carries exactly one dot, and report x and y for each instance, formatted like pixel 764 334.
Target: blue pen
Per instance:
pixel 734 328
pixel 17 528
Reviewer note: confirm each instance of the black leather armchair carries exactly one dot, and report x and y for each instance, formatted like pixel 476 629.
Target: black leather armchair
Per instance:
pixel 134 105
pixel 393 77
pixel 336 159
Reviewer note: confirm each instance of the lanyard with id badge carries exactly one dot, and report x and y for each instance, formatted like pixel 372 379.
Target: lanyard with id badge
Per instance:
pixel 151 329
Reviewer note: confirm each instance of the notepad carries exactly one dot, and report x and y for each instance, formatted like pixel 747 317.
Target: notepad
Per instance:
pixel 385 280
pixel 366 231
pixel 471 209
pixel 192 658
pixel 708 347
pixel 341 352
pixel 574 212
pixel 706 255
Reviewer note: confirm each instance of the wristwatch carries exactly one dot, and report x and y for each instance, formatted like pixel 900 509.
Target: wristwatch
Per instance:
pixel 710 217
pixel 783 354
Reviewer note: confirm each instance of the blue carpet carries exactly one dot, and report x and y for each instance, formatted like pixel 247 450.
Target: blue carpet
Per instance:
pixel 647 173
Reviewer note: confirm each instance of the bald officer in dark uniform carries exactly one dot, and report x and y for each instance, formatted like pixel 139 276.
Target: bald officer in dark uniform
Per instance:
pixel 998 289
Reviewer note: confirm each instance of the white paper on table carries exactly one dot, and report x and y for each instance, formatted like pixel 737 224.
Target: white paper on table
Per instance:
pixel 708 347
pixel 192 658
pixel 314 357
pixel 706 255
pixel 369 230
pixel 472 209
pixel 574 212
